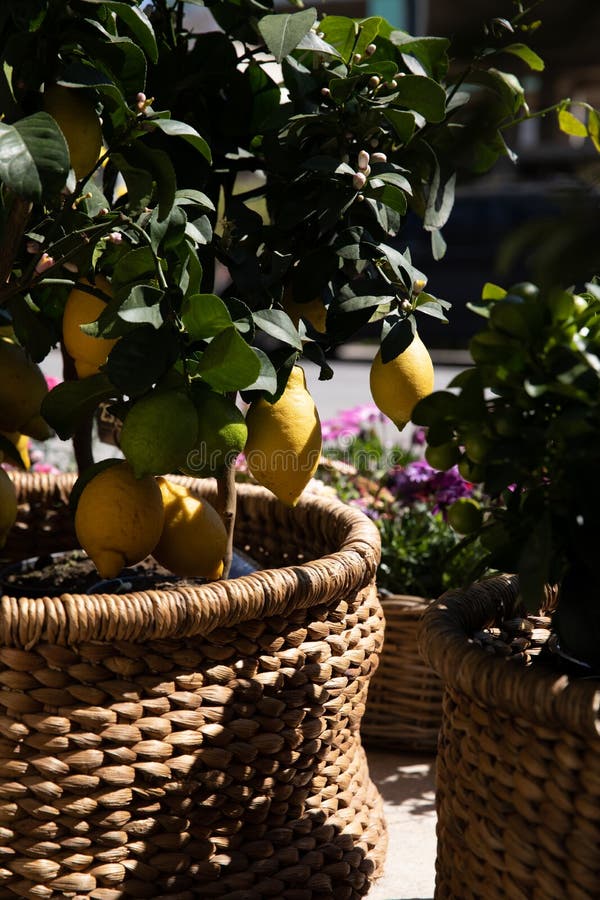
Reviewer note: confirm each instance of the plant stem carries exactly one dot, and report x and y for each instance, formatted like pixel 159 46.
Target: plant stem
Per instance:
pixel 226 507
pixel 82 439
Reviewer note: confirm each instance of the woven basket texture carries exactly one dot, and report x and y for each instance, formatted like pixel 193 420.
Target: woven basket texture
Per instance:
pixel 404 711
pixel 518 774
pixel 194 742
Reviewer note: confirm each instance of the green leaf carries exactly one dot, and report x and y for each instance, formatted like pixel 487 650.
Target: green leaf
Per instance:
pixel 34 157
pixel 423 95
pixel 180 129
pixel 593 125
pixel 141 358
pixel 387 194
pixel 266 382
pixel 492 291
pixel 341 33
pixel 368 29
pixel 505 85
pixel 430 51
pixel 439 201
pixel 229 363
pixel 142 306
pixel 438 244
pixel 133 266
pixel 398 338
pixel 139 24
pixel 535 62
pixel 570 124
pixel 279 325
pixel 402 122
pixel 204 316
pixel 283 32
pixel 68 403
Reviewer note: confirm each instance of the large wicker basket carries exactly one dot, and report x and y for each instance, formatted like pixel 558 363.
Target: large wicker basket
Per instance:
pixel 518 775
pixel 195 742
pixel 404 711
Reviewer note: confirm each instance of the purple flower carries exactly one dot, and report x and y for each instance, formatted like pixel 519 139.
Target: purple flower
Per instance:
pixel 419 482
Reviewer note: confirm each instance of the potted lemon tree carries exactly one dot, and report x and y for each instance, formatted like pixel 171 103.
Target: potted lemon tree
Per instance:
pixel 518 653
pixel 194 737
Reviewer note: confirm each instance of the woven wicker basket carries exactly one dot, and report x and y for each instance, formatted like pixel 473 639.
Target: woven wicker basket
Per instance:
pixel 404 710
pixel 518 775
pixel 197 742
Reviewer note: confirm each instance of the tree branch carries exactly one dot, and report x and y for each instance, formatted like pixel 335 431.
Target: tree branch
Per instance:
pixel 226 507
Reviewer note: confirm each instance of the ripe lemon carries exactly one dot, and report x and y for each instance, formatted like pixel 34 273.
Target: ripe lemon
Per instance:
pixel 314 311
pixel 222 435
pixel 159 431
pixel 82 308
pixel 193 540
pixel 21 445
pixel 77 119
pixel 119 518
pixel 397 386
pixel 284 440
pixel 22 389
pixel 8 506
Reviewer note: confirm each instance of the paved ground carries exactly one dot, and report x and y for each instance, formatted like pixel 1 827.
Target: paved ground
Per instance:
pixel 405 781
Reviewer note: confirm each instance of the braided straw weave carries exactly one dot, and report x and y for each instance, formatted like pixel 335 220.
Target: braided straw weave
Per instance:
pixel 194 742
pixel 404 711
pixel 518 777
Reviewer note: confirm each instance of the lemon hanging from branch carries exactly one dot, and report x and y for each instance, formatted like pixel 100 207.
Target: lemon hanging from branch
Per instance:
pixel 397 386
pixel 193 541
pixel 22 389
pixel 77 119
pixel 284 440
pixel 119 518
pixel 83 308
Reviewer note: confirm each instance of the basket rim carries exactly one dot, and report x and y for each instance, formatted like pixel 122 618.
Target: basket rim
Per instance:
pixel 545 698
pixel 194 611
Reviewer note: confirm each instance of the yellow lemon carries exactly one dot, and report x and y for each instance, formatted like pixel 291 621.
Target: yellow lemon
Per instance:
pixel 284 440
pixel 314 311
pixel 21 445
pixel 82 308
pixel 77 119
pixel 8 506
pixel 119 518
pixel 159 431
pixel 22 389
pixel 194 540
pixel 396 386
pixel 222 434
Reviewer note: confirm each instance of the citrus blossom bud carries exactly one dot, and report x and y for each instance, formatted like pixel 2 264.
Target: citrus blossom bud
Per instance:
pixel 378 157
pixel 363 160
pixel 359 180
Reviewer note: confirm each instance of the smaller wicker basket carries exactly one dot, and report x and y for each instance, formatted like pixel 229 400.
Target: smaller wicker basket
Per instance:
pixel 404 709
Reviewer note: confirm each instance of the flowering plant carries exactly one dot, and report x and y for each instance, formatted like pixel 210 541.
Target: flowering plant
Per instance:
pixel 407 499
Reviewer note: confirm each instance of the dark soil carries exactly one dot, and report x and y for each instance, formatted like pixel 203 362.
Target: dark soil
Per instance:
pixel 73 572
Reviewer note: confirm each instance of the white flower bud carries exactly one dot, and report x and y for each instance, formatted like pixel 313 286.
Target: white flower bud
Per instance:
pixel 370 50
pixel 378 157
pixel 374 81
pixel 359 179
pixel 363 160
pixel 326 92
